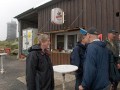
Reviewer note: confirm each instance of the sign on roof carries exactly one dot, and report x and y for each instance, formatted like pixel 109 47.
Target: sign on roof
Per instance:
pixel 57 16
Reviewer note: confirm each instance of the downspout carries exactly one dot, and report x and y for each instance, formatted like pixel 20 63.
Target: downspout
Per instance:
pixel 19 39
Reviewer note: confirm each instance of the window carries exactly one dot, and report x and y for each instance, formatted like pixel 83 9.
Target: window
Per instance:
pixel 71 41
pixel 66 41
pixel 60 42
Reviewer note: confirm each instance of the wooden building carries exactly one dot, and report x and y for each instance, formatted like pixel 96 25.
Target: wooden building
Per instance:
pixel 102 14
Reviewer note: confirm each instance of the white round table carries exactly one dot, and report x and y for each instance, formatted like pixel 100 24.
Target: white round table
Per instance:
pixel 63 69
pixel 1 55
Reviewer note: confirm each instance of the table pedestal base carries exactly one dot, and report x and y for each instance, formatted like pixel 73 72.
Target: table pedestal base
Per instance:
pixel 2 69
pixel 63 75
pixel 64 69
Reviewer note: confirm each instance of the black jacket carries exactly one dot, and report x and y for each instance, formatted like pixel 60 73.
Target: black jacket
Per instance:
pixel 39 71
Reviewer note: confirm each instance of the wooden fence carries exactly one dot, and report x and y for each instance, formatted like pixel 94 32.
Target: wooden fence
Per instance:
pixel 60 58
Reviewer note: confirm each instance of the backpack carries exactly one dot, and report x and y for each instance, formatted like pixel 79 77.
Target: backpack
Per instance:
pixel 79 51
pixel 114 73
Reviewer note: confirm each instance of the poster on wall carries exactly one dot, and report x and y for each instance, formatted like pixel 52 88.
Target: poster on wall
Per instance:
pixel 24 40
pixel 29 39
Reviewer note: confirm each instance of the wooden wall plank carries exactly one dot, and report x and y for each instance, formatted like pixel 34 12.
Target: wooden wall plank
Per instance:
pixel 80 12
pixel 84 13
pixel 88 15
pixel 93 13
pixel 76 14
pixel 67 14
pixel 119 17
pixel 72 8
pixel 98 15
pixel 104 18
pixel 110 14
pixel 116 10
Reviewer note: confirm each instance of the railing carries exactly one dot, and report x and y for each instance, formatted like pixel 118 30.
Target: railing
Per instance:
pixel 60 58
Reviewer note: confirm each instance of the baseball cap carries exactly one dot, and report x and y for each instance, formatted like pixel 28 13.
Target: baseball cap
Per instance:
pixel 93 31
pixel 83 31
pixel 112 31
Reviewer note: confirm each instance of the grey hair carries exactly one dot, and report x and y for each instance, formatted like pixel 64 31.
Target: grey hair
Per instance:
pixel 43 38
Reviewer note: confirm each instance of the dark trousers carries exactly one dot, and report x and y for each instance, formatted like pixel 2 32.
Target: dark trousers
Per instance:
pixel 114 86
pixel 78 83
pixel 107 88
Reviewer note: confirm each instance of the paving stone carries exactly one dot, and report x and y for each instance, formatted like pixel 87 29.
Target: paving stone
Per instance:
pixel 14 77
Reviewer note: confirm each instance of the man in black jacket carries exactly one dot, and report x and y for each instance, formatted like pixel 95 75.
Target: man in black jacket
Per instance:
pixel 39 71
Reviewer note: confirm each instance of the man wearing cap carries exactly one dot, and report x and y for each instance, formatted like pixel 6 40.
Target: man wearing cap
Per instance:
pixel 95 72
pixel 77 56
pixel 113 57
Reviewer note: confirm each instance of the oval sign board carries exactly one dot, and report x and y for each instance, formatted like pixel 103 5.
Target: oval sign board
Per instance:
pixel 57 16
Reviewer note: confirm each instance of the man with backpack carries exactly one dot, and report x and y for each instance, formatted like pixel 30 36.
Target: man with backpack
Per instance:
pixel 77 56
pixel 111 44
pixel 96 65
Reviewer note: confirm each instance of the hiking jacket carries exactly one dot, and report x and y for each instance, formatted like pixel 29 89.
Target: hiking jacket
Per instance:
pixel 39 70
pixel 96 74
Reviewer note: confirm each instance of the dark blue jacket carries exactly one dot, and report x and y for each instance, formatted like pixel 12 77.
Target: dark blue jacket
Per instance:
pixel 95 75
pixel 78 56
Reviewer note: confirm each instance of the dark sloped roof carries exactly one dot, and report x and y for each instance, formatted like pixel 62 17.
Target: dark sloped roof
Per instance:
pixel 24 13
pixel 34 11
pixel 29 15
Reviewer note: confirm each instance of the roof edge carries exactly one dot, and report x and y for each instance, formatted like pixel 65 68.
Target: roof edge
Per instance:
pixel 24 13
pixel 37 8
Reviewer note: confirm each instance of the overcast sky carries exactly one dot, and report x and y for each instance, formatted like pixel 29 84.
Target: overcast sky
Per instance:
pixel 11 8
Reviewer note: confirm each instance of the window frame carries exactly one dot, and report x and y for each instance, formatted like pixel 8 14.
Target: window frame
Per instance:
pixel 66 38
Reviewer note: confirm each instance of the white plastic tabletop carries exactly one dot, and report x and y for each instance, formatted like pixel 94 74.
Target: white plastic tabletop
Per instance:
pixel 65 68
pixel 1 54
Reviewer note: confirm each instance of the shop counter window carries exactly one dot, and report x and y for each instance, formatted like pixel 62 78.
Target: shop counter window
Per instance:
pixel 60 42
pixel 72 39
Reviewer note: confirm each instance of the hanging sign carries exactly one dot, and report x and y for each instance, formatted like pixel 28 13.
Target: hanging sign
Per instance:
pixel 57 16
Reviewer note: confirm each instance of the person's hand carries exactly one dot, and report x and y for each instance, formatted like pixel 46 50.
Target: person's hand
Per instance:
pixel 118 66
pixel 81 88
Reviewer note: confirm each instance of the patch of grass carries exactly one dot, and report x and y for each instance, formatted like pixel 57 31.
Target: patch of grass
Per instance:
pixel 12 44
